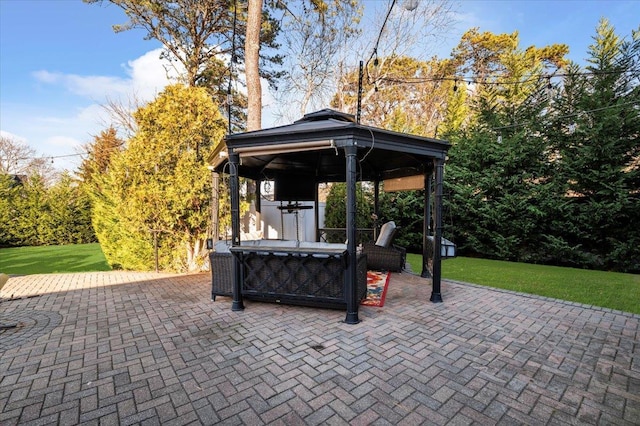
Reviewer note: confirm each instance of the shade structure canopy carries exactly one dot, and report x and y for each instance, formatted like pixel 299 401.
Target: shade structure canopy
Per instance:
pixel 330 146
pixel 313 147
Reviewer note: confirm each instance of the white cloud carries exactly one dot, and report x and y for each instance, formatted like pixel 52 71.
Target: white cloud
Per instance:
pixel 63 141
pixel 149 74
pixel 145 77
pixel 267 95
pixel 92 114
pixel 46 76
pixel 11 136
pixel 64 130
pixel 87 86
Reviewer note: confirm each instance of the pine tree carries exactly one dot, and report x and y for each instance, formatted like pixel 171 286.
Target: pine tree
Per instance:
pixel 101 150
pixel 9 191
pixel 497 175
pixel 596 126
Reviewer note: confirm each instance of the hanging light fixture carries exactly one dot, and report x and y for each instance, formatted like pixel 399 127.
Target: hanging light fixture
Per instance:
pixel 411 5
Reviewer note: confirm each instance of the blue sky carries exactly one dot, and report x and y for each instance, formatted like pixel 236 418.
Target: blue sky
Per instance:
pixel 60 59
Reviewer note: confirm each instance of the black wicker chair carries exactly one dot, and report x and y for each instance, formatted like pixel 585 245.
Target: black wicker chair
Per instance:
pixel 390 258
pixel 383 255
pixel 221 280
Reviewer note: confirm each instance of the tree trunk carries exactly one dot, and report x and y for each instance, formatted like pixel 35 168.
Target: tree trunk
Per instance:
pixel 252 61
pixel 196 254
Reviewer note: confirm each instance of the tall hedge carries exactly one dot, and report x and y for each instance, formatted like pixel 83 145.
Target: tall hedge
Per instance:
pixel 554 177
pixel 32 214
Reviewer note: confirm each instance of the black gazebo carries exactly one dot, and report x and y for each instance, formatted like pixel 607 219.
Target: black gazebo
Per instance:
pixel 329 146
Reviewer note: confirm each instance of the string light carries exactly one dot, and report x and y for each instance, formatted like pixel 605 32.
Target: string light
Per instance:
pixel 468 80
pixel 411 5
pixel 483 80
pixel 561 117
pixel 50 157
pixel 375 49
pixel 384 23
pixel 510 126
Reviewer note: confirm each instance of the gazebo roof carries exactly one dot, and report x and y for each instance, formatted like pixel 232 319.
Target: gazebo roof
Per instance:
pixel 312 149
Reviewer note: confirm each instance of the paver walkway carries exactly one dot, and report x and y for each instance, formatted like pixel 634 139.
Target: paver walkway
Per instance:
pixel 134 348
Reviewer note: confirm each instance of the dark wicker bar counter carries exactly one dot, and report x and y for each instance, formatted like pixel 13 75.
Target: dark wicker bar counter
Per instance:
pixel 300 276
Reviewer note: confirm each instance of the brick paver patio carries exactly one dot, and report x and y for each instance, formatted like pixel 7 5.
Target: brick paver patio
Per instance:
pixel 140 348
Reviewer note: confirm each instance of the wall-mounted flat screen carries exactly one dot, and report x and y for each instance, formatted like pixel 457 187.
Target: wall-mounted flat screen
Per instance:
pixel 294 188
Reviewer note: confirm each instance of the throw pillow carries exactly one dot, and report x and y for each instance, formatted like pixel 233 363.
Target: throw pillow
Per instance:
pixel 386 234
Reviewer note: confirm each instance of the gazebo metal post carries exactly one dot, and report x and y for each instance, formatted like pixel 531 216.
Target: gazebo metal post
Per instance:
pixel 376 206
pixel 234 188
pixel 258 205
pixel 436 295
pixel 316 213
pixel 351 288
pixel 215 206
pixel 428 172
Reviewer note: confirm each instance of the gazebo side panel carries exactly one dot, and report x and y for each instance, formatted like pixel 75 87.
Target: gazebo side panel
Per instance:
pixel 298 276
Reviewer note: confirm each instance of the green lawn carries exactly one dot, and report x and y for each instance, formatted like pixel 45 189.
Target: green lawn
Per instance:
pixel 50 259
pixel 599 288
pixel 606 289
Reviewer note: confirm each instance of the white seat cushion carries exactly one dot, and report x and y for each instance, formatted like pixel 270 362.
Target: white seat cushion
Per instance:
pixel 222 247
pixel 321 245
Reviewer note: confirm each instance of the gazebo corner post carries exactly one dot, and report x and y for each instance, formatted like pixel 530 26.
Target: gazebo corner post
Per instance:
pixel 316 212
pixel 428 173
pixel 234 189
pixel 376 207
pixel 258 202
pixel 351 287
pixel 215 207
pixel 436 295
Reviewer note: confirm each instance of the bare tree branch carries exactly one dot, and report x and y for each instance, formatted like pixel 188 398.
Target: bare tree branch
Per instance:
pixel 17 158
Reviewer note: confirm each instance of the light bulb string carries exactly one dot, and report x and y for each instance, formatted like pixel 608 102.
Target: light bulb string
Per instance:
pixel 495 81
pixel 562 117
pixel 374 53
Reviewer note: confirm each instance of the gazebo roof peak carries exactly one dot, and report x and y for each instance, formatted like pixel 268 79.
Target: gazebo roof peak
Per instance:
pixel 325 114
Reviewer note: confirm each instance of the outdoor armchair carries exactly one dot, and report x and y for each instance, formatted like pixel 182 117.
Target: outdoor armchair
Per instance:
pixel 383 255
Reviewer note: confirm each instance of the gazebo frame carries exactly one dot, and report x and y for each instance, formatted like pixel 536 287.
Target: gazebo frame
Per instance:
pixel 329 146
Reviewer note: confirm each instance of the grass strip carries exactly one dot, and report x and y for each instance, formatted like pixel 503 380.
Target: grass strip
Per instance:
pixel 52 259
pixel 599 288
